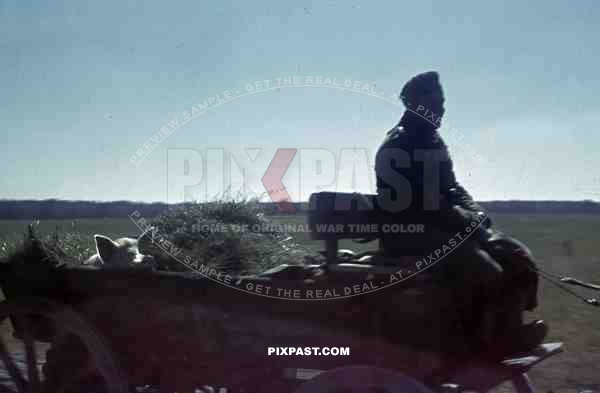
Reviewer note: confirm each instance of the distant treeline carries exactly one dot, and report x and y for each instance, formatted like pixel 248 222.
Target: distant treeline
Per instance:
pixel 57 209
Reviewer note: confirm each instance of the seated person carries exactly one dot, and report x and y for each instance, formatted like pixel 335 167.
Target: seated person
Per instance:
pixel 494 274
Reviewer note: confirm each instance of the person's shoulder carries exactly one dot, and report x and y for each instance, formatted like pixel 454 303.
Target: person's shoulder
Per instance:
pixel 397 135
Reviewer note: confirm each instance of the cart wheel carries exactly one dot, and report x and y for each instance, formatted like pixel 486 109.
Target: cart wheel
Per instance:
pixel 78 359
pixel 362 379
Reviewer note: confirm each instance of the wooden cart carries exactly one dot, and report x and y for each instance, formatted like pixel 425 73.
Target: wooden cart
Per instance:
pixel 85 329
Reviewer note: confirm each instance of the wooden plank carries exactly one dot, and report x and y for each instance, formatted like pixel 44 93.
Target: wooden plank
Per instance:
pixel 481 375
pixel 524 363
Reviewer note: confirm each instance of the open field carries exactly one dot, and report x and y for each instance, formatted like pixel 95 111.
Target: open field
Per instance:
pixel 565 244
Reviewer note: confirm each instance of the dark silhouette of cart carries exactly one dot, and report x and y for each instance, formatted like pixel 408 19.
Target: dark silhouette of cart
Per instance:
pixel 86 329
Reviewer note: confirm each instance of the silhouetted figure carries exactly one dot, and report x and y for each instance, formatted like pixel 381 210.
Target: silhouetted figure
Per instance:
pixel 492 292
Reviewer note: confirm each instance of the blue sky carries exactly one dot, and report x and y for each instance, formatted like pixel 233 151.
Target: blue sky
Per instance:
pixel 86 84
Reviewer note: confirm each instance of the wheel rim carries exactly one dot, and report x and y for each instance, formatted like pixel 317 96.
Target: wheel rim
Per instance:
pixel 362 379
pixel 64 325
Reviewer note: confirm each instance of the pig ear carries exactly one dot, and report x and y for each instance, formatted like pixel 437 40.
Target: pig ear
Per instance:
pixel 105 246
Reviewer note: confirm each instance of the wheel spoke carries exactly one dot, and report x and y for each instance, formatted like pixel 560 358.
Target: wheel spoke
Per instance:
pixel 12 368
pixel 33 374
pixel 77 353
pixel 49 377
pixel 78 372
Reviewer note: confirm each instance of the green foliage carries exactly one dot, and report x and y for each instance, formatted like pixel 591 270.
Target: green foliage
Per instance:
pixel 233 236
pixel 37 250
pixel 196 230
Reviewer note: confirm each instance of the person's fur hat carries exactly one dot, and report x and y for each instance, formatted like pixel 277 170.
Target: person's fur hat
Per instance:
pixel 418 85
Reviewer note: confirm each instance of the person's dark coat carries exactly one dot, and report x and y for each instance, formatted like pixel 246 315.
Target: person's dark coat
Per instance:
pixel 410 150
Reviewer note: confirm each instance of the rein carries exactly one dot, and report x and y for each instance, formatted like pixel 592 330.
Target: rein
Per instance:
pixel 559 281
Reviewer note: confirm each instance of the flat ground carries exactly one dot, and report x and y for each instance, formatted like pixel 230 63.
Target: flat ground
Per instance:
pixel 565 244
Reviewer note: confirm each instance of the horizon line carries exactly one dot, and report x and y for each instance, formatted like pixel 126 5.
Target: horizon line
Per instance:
pixel 265 202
